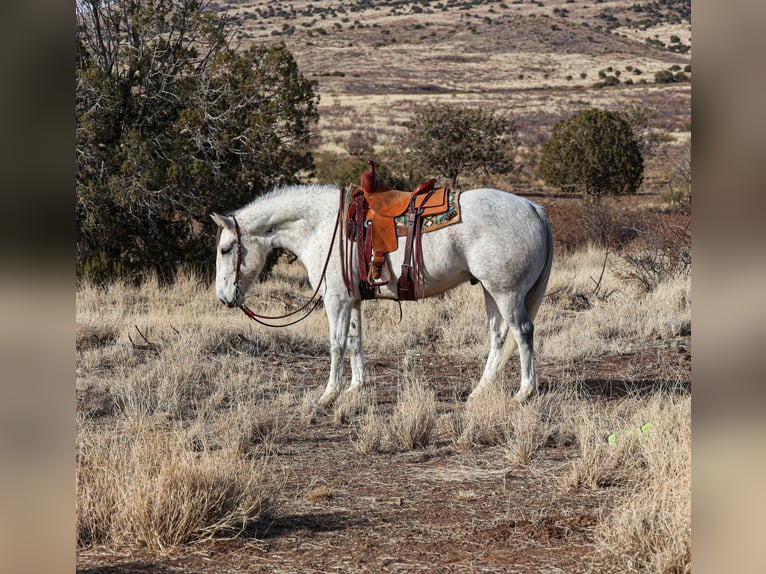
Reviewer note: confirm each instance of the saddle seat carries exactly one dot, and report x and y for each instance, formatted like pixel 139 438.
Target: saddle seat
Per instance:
pixel 388 202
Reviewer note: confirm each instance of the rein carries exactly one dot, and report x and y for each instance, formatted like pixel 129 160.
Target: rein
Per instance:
pixel 313 301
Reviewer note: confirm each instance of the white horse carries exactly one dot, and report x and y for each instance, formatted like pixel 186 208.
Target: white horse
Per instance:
pixel 504 242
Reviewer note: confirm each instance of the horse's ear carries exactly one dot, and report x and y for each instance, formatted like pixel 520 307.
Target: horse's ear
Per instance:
pixel 222 220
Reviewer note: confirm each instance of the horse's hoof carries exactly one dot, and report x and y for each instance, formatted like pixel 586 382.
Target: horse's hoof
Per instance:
pixel 521 398
pixel 324 402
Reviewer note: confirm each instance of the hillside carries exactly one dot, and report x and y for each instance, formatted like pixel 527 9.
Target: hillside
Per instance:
pixel 538 60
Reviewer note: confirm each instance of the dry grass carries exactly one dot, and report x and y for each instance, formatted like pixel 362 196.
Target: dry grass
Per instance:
pixel 579 320
pixel 600 465
pixel 159 490
pixel 531 430
pixel 188 407
pixel 485 420
pixel 414 419
pixel 649 526
pixel 370 433
pixel 322 492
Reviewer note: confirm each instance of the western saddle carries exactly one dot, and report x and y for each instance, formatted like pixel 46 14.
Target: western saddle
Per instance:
pixel 371 222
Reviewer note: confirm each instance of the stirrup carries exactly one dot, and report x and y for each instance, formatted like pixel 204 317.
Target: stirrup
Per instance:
pixel 376 266
pixel 379 271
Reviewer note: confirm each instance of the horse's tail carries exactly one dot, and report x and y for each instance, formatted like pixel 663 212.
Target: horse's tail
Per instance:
pixel 534 297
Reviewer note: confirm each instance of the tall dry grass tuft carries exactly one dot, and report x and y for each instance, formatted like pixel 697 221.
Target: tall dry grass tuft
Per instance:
pixel 414 418
pixel 530 430
pixel 370 432
pixel 649 526
pixel 249 427
pixel 351 404
pixel 151 490
pixel 485 419
pixel 601 464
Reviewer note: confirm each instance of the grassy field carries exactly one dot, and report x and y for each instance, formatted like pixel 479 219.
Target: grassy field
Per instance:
pixel 195 440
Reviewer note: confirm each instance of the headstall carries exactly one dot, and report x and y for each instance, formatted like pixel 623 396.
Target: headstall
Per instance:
pixel 313 301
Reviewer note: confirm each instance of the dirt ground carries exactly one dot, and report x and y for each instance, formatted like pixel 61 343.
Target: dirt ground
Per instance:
pixel 438 509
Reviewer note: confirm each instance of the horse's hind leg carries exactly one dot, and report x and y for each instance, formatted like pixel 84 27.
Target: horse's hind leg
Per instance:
pixel 500 345
pixel 524 332
pixel 510 327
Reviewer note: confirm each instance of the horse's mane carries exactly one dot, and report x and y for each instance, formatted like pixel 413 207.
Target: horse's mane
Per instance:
pixel 286 191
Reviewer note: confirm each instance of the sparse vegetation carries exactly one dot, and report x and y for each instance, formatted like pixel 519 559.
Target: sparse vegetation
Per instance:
pixel 669 76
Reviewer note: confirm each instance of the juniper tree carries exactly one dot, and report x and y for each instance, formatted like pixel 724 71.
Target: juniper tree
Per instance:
pixel 172 122
pixel 451 140
pixel 595 153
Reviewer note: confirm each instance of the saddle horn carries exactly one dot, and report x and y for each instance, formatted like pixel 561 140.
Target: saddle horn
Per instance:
pixel 369 179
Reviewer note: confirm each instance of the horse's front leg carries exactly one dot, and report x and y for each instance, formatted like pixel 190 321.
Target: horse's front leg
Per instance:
pixel 355 348
pixel 338 311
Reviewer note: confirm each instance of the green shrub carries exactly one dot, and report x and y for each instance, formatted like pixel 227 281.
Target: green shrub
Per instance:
pixel 171 124
pixel 451 140
pixel 594 152
pixel 664 77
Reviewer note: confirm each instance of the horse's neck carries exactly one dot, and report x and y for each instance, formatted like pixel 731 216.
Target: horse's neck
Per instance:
pixel 297 221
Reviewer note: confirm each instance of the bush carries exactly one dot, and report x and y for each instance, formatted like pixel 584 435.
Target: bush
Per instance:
pixel 594 152
pixel 151 490
pixel 578 225
pixel 172 123
pixel 661 251
pixel 608 81
pixel 450 140
pixel 346 170
pixel 664 77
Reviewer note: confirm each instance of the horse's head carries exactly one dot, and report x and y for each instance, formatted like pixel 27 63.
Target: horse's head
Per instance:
pixel 239 259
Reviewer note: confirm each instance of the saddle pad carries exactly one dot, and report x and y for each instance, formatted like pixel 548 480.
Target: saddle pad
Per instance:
pixel 434 222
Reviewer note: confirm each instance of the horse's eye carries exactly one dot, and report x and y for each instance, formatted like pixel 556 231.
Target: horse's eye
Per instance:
pixel 226 250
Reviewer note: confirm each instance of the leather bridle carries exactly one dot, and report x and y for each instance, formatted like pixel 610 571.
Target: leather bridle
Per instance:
pixel 313 301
